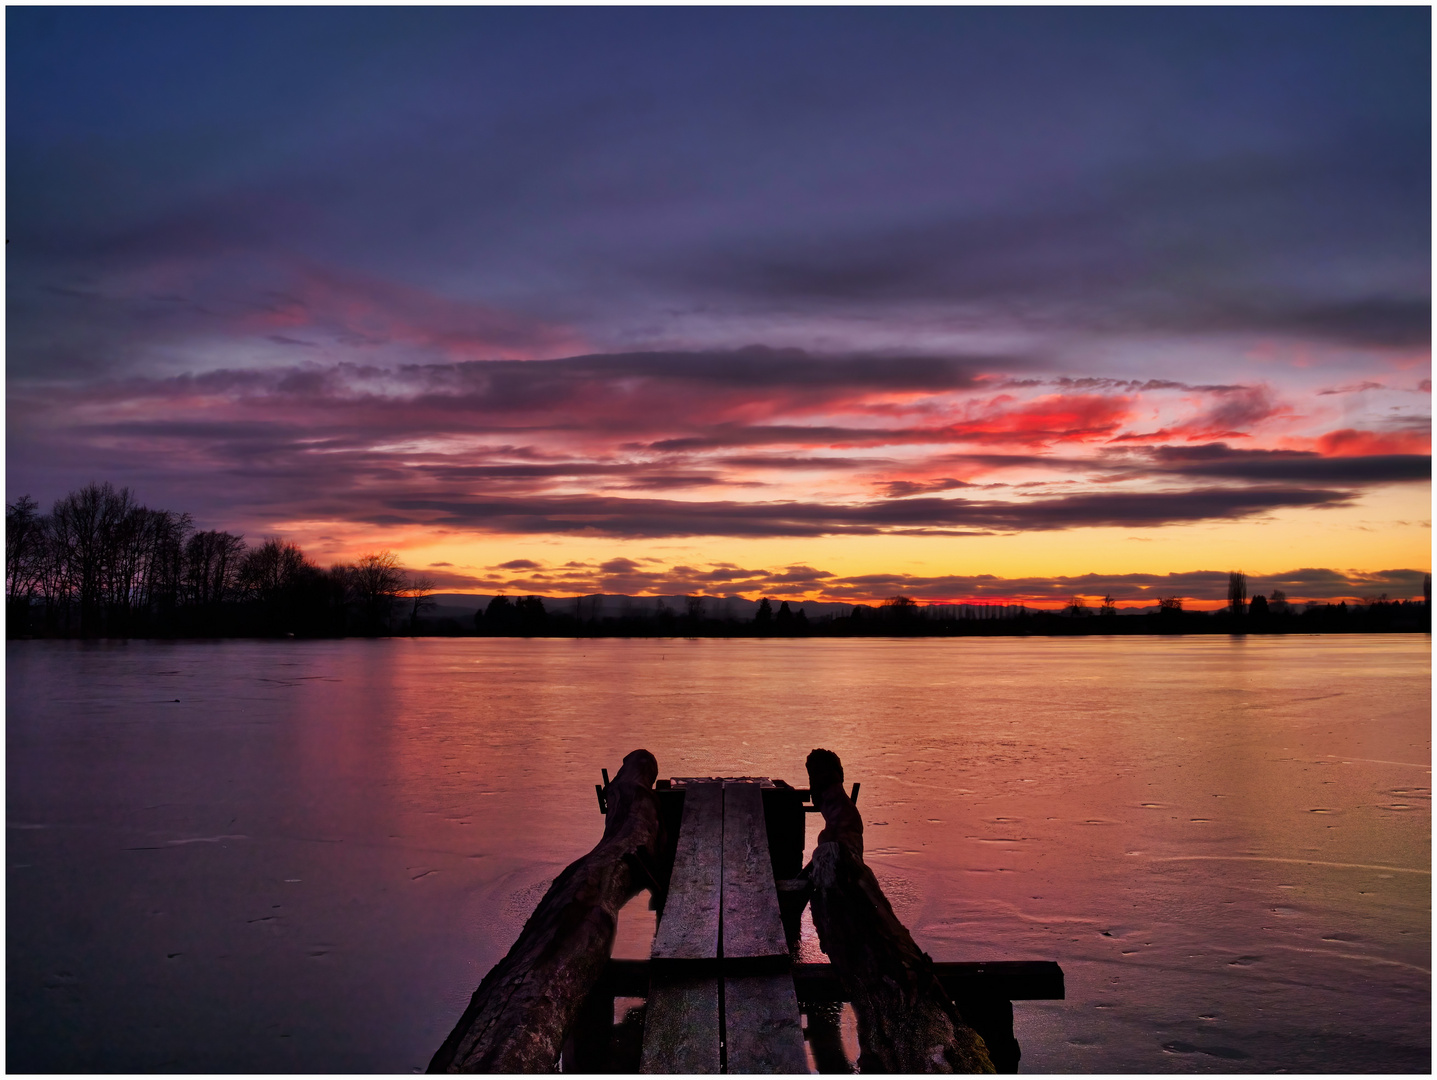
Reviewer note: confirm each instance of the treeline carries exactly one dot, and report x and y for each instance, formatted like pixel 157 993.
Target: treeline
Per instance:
pixel 101 564
pixel 902 616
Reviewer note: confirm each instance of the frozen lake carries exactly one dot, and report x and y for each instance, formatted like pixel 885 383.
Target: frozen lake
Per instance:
pixel 303 856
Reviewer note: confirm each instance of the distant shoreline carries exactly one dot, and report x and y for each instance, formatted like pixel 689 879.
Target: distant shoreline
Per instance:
pixel 1032 625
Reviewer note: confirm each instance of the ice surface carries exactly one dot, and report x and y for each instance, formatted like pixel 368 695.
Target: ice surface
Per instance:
pixel 308 861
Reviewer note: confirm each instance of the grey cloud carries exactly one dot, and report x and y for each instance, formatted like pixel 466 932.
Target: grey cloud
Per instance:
pixel 606 516
pixel 1292 466
pixel 1220 247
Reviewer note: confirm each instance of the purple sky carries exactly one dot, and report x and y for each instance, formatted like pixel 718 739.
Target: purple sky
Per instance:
pixel 771 289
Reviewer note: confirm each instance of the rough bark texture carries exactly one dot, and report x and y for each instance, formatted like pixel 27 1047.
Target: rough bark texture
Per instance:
pixel 517 1020
pixel 906 1023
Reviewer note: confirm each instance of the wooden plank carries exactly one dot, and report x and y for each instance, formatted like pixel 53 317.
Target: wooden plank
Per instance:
pixel 681 1021
pixel 761 1018
pixel 751 922
pixel 689 929
pixel 763 1031
pixel 681 1025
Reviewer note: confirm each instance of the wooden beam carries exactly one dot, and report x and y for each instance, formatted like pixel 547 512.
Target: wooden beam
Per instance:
pixel 1007 980
pixel 906 1021
pixel 519 1017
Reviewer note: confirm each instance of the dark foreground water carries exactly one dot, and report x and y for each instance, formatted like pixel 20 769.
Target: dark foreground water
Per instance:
pixel 294 856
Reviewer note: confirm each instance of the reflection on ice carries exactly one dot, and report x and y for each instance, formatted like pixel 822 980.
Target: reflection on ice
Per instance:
pixel 310 861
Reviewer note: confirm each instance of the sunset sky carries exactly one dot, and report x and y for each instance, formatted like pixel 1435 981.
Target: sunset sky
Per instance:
pixel 825 303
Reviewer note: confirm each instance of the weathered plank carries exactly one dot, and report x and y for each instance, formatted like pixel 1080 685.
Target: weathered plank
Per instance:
pixel 689 929
pixel 751 922
pixel 681 1025
pixel 762 1029
pixel 762 1026
pixel 681 1022
pixel 519 1016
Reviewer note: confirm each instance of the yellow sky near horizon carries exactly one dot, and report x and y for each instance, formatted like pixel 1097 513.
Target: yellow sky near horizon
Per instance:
pixel 1386 528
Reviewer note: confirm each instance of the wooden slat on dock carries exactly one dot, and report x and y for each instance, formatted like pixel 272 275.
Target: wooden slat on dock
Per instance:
pixel 751 923
pixel 761 1018
pixel 689 929
pixel 681 1023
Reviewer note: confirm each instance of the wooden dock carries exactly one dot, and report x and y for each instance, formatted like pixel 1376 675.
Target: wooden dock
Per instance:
pixel 722 990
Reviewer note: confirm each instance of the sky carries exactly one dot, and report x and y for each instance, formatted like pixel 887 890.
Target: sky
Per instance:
pixel 960 303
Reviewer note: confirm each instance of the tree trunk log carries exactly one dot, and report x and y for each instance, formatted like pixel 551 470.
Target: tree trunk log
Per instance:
pixel 517 1020
pixel 906 1023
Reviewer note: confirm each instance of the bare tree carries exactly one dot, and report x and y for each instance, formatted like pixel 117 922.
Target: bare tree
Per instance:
pixel 377 582
pixel 24 547
pixel 1237 592
pixel 26 551
pixel 1109 607
pixel 270 570
pixel 211 567
pixel 86 529
pixel 417 591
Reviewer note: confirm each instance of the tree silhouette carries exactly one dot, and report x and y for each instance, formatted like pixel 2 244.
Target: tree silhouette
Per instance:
pixel 1257 609
pixel 1236 592
pixel 530 609
pixel 417 591
pixel 764 615
pixel 211 567
pixel 25 549
pixel 376 581
pixel 1109 607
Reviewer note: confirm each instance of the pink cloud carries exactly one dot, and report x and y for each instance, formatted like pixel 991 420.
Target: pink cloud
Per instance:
pixel 1349 442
